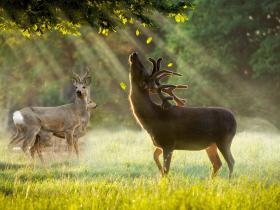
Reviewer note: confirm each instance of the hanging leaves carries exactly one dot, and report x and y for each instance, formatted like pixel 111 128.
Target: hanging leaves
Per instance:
pixel 36 17
pixel 137 32
pixel 170 65
pixel 123 85
pixel 149 40
pixel 180 18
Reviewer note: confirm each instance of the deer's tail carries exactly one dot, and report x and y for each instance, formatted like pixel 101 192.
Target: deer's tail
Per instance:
pixel 18 118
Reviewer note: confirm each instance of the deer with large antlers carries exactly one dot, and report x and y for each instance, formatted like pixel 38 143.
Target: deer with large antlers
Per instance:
pixel 67 120
pixel 176 127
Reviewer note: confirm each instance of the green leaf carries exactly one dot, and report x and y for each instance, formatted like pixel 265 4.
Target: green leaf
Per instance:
pixel 180 18
pixel 149 40
pixel 137 32
pixel 170 65
pixel 123 85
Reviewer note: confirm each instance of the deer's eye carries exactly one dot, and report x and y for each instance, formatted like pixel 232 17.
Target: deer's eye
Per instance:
pixel 84 87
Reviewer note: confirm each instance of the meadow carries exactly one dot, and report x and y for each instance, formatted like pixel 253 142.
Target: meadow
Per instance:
pixel 116 171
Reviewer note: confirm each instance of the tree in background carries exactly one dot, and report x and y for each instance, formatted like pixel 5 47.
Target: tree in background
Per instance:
pixel 230 52
pixel 36 67
pixel 37 17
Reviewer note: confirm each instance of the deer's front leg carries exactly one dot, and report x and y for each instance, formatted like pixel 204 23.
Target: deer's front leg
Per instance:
pixel 69 139
pixel 76 146
pixel 157 153
pixel 69 135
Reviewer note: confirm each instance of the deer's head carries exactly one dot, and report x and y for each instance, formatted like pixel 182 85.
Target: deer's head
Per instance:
pixel 81 84
pixel 151 82
pixel 138 73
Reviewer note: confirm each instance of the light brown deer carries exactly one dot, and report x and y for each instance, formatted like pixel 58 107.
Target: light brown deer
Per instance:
pixel 66 119
pixel 43 136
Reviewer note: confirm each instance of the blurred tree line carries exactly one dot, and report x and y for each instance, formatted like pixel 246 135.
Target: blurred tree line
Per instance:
pixel 229 53
pixel 38 72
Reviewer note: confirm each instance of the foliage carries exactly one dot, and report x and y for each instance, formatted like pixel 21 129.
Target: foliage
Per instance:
pixel 229 52
pixel 37 17
pixel 225 61
pixel 37 72
pixel 117 171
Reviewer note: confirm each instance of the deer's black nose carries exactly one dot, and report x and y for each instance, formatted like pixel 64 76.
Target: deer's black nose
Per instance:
pixel 134 54
pixel 79 93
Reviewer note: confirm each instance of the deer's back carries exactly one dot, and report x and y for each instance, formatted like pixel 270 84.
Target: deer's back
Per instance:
pixel 190 128
pixel 51 118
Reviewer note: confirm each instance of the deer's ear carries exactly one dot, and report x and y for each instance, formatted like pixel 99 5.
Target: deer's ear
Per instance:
pixel 87 81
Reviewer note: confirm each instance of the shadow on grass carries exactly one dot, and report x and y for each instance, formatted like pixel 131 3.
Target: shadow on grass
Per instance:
pixel 5 166
pixel 6 191
pixel 74 171
pixel 68 171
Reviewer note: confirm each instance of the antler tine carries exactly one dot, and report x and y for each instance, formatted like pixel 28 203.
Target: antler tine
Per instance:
pixel 169 91
pixel 76 77
pixel 165 99
pixel 158 63
pixel 166 86
pixel 163 75
pixel 155 75
pixel 86 75
pixel 154 65
pixel 182 86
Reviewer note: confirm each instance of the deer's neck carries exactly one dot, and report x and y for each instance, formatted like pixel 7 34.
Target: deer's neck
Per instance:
pixel 81 105
pixel 143 108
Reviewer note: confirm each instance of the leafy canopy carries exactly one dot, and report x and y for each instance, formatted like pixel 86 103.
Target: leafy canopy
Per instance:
pixel 66 16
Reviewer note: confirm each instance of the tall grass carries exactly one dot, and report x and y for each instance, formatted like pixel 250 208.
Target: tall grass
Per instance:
pixel 116 171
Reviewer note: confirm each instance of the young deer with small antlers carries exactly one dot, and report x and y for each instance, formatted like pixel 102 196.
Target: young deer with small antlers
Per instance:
pixel 44 136
pixel 175 127
pixel 66 119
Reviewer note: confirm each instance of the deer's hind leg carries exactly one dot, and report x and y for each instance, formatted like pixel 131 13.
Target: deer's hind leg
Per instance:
pixel 224 148
pixel 16 135
pixel 214 158
pixel 167 155
pixel 19 136
pixel 33 148
pixel 41 138
pixel 37 147
pixel 30 137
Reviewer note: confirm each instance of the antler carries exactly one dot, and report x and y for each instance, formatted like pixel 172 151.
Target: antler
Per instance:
pixel 76 77
pixel 154 65
pixel 158 73
pixel 158 63
pixel 86 78
pixel 169 91
pixel 86 75
pixel 156 76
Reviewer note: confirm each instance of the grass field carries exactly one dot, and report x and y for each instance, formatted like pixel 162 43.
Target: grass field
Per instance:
pixel 116 171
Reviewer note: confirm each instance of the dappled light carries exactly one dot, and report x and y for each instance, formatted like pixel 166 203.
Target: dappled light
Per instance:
pixel 139 105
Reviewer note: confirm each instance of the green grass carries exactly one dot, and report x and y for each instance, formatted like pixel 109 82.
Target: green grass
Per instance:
pixel 116 171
